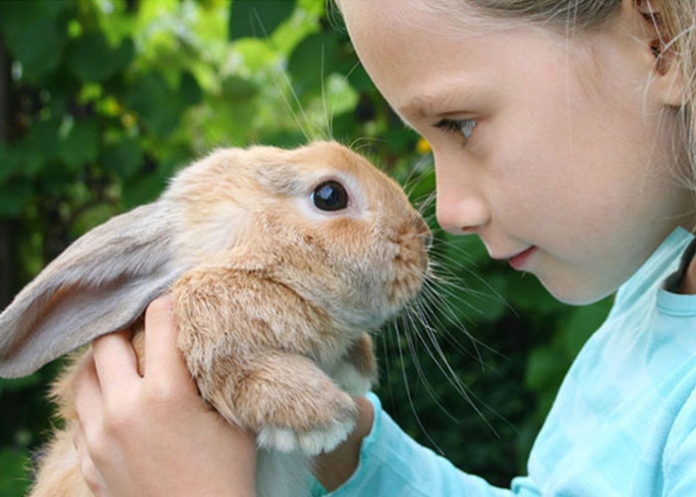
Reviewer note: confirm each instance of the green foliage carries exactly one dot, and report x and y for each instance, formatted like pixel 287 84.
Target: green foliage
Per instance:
pixel 107 99
pixel 253 18
pixel 13 464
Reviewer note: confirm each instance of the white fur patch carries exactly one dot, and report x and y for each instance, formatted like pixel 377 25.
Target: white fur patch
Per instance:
pixel 310 442
pixel 351 380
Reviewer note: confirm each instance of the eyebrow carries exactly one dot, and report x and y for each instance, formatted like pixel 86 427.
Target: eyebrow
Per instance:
pixel 438 100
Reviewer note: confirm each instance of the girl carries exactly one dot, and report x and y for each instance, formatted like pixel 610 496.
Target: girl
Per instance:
pixel 563 137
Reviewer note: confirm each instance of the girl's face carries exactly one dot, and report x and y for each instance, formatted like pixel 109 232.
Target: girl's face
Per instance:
pixel 556 152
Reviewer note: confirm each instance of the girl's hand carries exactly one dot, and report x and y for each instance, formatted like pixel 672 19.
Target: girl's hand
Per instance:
pixel 154 435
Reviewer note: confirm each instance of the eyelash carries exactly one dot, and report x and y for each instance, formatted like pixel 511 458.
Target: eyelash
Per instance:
pixel 463 127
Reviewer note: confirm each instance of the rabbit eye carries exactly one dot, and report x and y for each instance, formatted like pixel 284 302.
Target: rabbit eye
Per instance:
pixel 330 196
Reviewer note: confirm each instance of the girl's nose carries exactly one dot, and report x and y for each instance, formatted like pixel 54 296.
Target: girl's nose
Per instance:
pixel 462 207
pixel 464 215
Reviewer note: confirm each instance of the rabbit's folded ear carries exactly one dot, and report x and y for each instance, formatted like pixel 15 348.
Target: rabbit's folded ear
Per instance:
pixel 100 284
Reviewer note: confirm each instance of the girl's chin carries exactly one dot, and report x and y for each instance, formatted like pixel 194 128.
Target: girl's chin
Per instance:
pixel 574 292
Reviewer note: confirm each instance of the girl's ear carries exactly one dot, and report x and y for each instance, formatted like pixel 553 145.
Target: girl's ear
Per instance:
pixel 99 284
pixel 668 80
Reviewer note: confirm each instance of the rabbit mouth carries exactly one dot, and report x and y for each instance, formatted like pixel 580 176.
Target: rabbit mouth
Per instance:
pixel 411 267
pixel 407 286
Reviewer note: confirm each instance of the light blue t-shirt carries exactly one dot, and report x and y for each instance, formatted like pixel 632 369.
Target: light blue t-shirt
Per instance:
pixel 623 423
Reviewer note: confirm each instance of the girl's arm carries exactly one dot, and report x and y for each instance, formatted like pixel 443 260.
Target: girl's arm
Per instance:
pixel 335 468
pixel 380 459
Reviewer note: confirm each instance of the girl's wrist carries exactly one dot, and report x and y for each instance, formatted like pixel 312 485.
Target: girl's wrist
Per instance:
pixel 333 469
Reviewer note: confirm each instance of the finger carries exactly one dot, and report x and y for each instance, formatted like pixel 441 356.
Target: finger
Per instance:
pixel 164 360
pixel 89 470
pixel 87 392
pixel 115 361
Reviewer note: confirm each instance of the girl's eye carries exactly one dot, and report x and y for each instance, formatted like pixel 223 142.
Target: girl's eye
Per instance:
pixel 465 127
pixel 330 196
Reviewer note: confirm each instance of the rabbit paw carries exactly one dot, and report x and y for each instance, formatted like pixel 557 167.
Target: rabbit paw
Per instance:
pixel 310 442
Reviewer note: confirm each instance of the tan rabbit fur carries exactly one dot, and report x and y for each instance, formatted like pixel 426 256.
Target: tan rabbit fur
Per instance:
pixel 274 293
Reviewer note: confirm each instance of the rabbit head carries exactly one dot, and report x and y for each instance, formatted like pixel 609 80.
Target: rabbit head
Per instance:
pixel 320 219
pixel 342 233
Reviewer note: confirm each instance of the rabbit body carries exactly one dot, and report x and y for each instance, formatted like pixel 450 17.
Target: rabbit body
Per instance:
pixel 278 262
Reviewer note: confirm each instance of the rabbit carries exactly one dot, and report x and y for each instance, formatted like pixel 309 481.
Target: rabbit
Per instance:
pixel 279 263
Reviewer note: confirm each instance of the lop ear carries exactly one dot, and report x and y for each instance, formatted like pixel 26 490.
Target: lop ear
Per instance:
pixel 99 284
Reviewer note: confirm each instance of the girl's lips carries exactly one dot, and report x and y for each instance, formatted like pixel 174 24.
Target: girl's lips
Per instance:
pixel 519 261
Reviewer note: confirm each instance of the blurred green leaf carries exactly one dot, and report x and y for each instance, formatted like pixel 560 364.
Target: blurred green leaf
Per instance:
pixel 14 196
pixel 419 187
pixel 37 147
pixel 544 369
pixel 9 162
pixel 155 103
pixel 91 217
pixel 14 477
pixel 581 323
pixel 357 76
pixel 80 145
pixel 483 297
pixel 159 105
pixel 91 57
pixel 239 88
pixel 313 60
pixel 527 294
pixel 285 139
pixel 143 189
pixel 189 90
pixel 123 158
pixel 467 250
pixel 258 18
pixel 152 99
pixel 230 117
pixel 33 34
pixel 14 384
